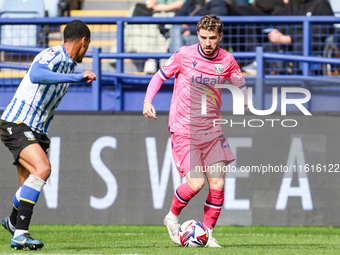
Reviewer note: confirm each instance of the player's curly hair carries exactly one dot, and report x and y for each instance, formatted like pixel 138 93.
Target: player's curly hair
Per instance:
pixel 75 30
pixel 210 22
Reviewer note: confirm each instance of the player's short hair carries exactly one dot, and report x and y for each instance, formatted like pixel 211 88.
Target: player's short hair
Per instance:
pixel 75 30
pixel 210 22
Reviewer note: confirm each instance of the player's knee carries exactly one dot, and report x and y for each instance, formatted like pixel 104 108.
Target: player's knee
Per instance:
pixel 43 171
pixel 217 183
pixel 197 184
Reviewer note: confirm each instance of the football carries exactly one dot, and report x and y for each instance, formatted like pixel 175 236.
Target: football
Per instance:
pixel 193 233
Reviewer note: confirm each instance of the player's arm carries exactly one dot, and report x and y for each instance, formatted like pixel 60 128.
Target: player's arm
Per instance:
pixel 153 87
pixel 40 73
pixel 245 96
pixel 238 80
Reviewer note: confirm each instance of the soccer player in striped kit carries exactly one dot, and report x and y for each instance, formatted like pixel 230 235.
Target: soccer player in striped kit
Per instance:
pixel 25 123
pixel 196 142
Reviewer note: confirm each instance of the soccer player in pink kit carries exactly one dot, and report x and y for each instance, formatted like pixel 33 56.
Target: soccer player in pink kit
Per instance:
pixel 198 145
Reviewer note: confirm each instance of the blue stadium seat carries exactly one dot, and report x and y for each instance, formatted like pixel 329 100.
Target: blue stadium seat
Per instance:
pixel 21 35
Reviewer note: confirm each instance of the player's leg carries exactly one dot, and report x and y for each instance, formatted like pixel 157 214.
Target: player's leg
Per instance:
pixel 33 170
pixel 10 222
pixel 185 158
pixel 216 154
pixel 213 204
pixel 183 194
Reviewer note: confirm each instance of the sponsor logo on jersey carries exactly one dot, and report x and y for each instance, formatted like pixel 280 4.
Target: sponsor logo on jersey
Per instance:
pixel 237 75
pixel 169 61
pixel 206 80
pixel 206 84
pixel 194 63
pixel 29 135
pixel 219 68
pixel 46 58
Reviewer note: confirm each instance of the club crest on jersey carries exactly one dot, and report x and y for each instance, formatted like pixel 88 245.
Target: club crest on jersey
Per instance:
pixel 219 68
pixel 29 135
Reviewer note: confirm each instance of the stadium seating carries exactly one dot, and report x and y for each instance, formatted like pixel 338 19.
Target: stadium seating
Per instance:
pixel 98 13
pixel 21 35
pixel 52 7
pixel 335 6
pixel 332 47
pixel 242 36
pixel 107 5
pixel 98 8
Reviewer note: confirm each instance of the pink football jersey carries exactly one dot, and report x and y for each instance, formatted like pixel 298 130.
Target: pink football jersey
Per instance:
pixel 196 77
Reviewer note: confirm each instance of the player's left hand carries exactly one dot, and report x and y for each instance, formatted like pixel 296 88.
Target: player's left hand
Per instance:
pixel 89 76
pixel 149 110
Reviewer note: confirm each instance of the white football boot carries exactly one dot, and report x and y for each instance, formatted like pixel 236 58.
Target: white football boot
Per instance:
pixel 213 243
pixel 173 229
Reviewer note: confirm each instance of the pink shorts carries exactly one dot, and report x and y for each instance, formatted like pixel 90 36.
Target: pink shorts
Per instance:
pixel 190 150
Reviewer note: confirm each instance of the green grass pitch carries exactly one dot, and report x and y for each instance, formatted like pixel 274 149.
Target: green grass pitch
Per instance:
pixel 102 239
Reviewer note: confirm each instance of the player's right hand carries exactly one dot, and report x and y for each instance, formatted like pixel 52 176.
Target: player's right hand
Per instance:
pixel 89 76
pixel 149 111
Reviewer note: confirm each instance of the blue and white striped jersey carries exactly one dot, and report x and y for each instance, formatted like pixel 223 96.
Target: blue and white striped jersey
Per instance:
pixel 41 89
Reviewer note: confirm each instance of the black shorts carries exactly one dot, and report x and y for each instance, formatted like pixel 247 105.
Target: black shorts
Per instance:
pixel 16 137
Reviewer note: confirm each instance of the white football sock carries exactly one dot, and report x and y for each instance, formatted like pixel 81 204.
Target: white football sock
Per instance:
pixel 210 231
pixel 19 232
pixel 172 217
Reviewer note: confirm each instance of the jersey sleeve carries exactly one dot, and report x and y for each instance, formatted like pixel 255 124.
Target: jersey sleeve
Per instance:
pixel 236 77
pixel 50 59
pixel 172 66
pixel 153 88
pixel 42 75
pixel 42 71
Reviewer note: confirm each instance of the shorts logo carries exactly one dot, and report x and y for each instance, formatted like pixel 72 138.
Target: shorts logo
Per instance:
pixel 179 167
pixel 9 130
pixel 29 135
